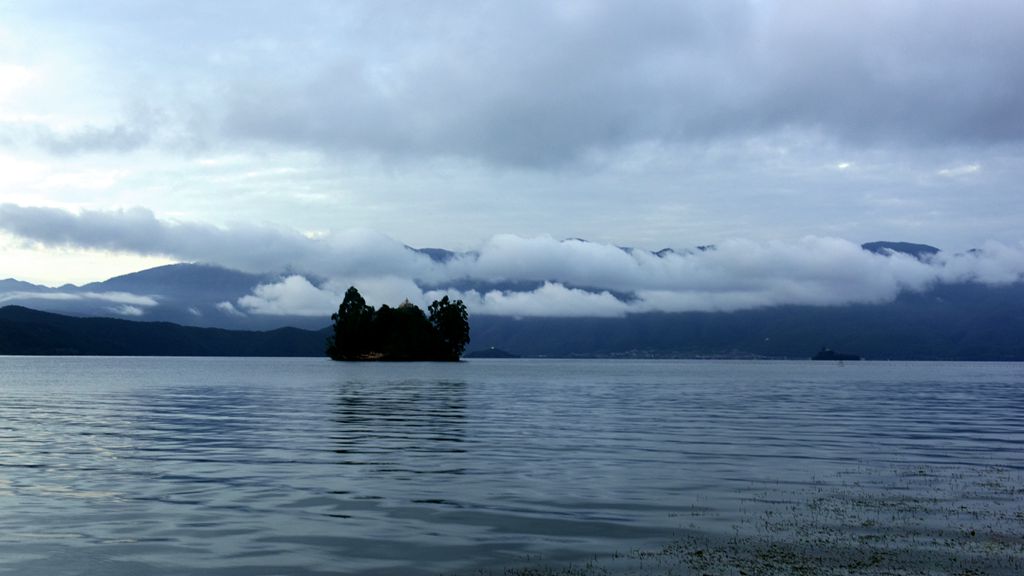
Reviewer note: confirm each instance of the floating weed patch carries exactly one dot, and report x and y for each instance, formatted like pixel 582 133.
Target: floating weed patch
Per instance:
pixel 920 521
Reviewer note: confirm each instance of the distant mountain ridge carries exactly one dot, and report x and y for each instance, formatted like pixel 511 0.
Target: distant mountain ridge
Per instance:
pixel 192 282
pixel 919 251
pixel 187 294
pixel 947 321
pixel 953 322
pixel 30 332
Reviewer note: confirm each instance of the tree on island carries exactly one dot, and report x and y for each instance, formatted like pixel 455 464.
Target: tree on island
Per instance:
pixel 451 321
pixel 402 333
pixel 352 324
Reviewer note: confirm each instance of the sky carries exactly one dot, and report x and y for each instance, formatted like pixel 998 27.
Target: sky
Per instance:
pixel 270 134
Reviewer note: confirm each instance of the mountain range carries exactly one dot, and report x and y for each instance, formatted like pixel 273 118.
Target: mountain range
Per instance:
pixel 24 331
pixel 948 322
pixel 187 311
pixel 186 294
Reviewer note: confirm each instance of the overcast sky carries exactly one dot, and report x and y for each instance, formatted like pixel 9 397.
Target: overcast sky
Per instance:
pixel 451 124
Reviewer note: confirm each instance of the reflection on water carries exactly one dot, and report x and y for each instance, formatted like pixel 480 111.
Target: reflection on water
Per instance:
pixel 400 428
pixel 304 466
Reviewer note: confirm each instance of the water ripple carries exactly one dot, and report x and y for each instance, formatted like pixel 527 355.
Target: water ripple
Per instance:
pixel 303 466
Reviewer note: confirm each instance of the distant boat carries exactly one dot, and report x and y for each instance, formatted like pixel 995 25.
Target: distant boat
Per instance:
pixel 830 354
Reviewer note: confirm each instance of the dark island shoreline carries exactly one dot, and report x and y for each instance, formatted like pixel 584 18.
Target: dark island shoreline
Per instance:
pixel 361 333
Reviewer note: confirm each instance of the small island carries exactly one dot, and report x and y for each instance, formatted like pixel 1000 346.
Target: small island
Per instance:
pixel 491 352
pixel 405 333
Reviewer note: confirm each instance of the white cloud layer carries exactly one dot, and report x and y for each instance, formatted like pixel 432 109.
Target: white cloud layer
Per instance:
pixel 293 295
pixel 127 310
pixel 515 276
pixel 587 279
pixel 125 299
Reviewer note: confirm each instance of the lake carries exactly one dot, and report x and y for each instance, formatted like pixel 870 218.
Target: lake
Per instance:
pixel 305 466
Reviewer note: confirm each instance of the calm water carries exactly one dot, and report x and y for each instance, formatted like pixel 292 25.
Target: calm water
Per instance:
pixel 304 466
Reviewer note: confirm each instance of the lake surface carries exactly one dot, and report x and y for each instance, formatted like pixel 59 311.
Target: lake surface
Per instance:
pixel 306 466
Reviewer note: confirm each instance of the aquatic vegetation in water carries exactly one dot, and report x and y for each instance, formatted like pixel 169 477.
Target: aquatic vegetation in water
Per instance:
pixel 912 521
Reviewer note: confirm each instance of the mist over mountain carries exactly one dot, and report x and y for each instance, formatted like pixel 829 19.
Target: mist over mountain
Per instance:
pixel 534 277
pixel 186 294
pixel 510 275
pixel 880 300
pixel 958 322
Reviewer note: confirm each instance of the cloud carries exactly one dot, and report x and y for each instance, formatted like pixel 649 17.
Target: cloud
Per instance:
pixel 297 296
pixel 118 138
pixel 962 170
pixel 229 309
pixel 551 299
pixel 994 263
pixel 507 116
pixel 12 78
pixel 126 310
pixel 294 295
pixel 534 83
pixel 124 298
pixel 244 246
pixel 85 139
pixel 520 276
pixel 538 83
pixel 586 279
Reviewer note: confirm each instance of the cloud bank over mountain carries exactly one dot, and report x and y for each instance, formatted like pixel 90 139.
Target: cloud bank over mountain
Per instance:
pixel 510 275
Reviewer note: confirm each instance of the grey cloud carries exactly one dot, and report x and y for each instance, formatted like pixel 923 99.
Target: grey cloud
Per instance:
pixel 119 138
pixel 561 277
pixel 82 140
pixel 534 83
pixel 540 83
pixel 245 247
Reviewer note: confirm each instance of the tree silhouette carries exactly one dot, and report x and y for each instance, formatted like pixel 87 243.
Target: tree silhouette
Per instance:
pixel 451 320
pixel 352 327
pixel 402 333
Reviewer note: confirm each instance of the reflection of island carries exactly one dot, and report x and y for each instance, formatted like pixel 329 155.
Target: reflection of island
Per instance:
pixel 403 333
pixel 401 426
pixel 830 354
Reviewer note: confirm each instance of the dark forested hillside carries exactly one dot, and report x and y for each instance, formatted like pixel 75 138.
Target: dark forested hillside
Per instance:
pixel 26 331
pixel 949 322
